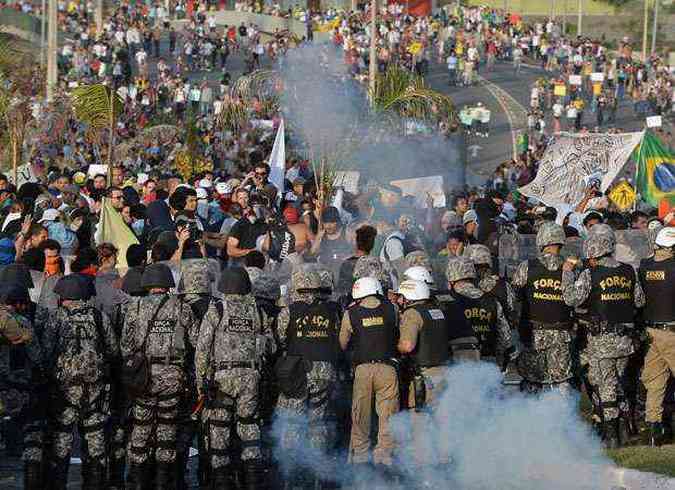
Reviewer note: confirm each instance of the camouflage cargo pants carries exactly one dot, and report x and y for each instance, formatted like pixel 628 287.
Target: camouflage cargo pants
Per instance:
pixel 304 418
pixel 27 425
pixel 78 406
pixel 607 378
pixel 235 406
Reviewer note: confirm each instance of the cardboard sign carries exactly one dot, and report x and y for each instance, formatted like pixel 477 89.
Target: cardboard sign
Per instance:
pixel 654 122
pixel 560 90
pixel 421 187
pixel 575 79
pixel 95 170
pixel 597 88
pixel 597 77
pixel 348 180
pixel 415 48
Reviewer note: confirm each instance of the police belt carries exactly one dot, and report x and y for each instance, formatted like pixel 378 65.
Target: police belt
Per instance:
pixel 223 365
pixel 174 361
pixel 602 328
pixel 551 326
pixel 465 343
pixel 388 362
pixel 666 326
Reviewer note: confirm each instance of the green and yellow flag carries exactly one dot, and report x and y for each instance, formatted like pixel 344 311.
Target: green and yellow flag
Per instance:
pixel 655 171
pixel 114 230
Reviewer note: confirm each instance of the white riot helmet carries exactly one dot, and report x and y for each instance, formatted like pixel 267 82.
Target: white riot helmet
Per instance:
pixel 666 237
pixel 366 286
pixel 414 290
pixel 419 273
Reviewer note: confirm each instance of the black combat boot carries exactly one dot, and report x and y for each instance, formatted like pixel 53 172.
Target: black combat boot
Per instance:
pixel 32 476
pixel 116 474
pixel 610 434
pixel 58 474
pixel 94 476
pixel 181 466
pixel 255 475
pixel 165 476
pixel 137 477
pixel 656 434
pixel 220 479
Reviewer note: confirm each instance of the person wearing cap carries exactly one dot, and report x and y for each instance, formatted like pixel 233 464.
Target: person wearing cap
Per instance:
pixel 79 346
pixel 295 195
pixel 546 321
pixel 471 227
pixel 609 293
pixel 657 277
pixel 370 328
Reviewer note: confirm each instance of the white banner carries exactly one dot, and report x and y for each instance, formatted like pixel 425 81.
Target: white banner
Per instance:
pixel 421 188
pixel 654 121
pixel 571 158
pixel 597 77
pixel 348 180
pixel 277 161
pixel 575 79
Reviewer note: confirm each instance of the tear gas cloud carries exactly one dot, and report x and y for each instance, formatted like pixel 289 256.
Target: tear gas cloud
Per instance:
pixel 483 437
pixel 327 111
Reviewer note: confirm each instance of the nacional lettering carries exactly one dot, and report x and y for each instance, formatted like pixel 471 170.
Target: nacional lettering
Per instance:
pixel 615 297
pixel 547 296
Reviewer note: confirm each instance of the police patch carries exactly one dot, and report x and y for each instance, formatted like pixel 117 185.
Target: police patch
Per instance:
pixel 436 314
pixel 161 327
pixel 240 324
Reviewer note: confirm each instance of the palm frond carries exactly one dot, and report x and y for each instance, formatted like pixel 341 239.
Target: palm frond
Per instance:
pixel 96 105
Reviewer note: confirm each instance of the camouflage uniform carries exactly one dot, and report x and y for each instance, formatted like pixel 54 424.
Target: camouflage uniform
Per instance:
pixel 18 366
pixel 197 279
pixel 489 283
pixel 155 414
pixel 548 355
pixel 229 350
pixel 305 417
pixel 79 345
pixel 609 346
pixel 369 266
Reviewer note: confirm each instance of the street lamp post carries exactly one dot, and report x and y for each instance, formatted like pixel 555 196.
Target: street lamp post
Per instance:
pixel 372 69
pixel 52 47
pixel 655 25
pixel 644 30
pixel 43 33
pixel 579 16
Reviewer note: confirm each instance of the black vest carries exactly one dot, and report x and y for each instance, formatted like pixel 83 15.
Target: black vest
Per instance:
pixel 658 282
pixel 375 332
pixel 500 292
pixel 481 314
pixel 458 325
pixel 612 294
pixel 432 342
pixel 312 331
pixel 542 299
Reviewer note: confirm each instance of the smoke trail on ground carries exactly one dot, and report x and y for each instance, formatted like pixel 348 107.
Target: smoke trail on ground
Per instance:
pixel 501 441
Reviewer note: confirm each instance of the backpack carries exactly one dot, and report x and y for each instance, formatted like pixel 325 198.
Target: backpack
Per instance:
pixel 80 351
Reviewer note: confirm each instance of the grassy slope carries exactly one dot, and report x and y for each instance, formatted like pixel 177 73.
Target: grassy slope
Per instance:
pixel 655 460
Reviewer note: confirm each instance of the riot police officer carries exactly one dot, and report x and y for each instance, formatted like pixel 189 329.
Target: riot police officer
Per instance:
pixel 80 347
pixel 229 353
pixel 425 338
pixel 610 292
pixel 21 371
pixel 491 283
pixel 370 325
pixel 308 329
pixel 546 322
pixel 657 277
pixel 483 312
pixel 160 326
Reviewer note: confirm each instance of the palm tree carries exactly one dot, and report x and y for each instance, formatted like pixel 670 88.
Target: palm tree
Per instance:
pixel 399 94
pixel 99 107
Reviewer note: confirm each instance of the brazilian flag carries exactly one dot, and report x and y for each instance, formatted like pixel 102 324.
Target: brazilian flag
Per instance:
pixel 655 171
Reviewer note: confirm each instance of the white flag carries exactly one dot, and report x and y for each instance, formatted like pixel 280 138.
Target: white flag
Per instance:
pixel 573 157
pixel 277 161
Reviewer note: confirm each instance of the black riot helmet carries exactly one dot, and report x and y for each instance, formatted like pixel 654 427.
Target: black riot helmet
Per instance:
pixel 157 276
pixel 16 273
pixel 74 287
pixel 234 281
pixel 13 293
pixel 131 284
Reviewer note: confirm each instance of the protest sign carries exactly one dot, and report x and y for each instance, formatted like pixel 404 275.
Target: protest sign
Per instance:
pixel 421 188
pixel 598 77
pixel 559 90
pixel 575 79
pixel 95 169
pixel 654 121
pixel 348 180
